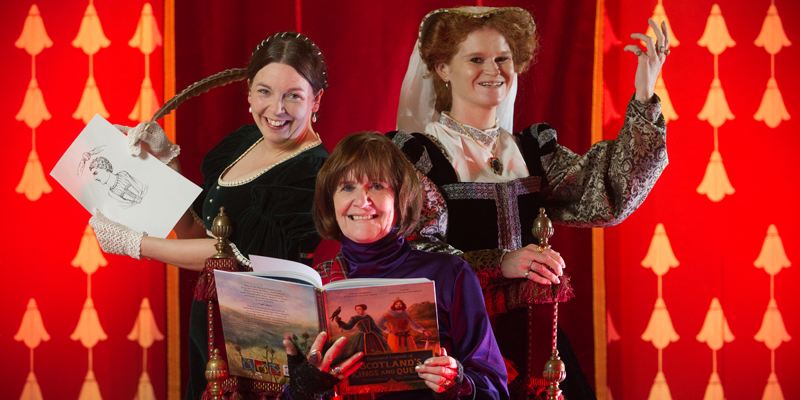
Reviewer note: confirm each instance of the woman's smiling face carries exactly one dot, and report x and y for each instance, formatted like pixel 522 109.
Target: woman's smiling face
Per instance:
pixel 364 209
pixel 481 72
pixel 282 102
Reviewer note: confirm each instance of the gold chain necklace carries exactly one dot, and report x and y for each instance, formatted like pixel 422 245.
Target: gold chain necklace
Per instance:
pixel 493 161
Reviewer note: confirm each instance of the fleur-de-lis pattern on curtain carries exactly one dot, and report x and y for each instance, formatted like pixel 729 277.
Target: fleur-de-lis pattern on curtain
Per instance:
pixel 89 330
pixel 660 331
pixel 146 38
pixel 730 284
pixel 33 40
pixel 716 39
pixel 145 332
pixel 772 259
pixel 67 305
pixel 772 38
pixel 715 332
pixel 32 333
pixel 90 39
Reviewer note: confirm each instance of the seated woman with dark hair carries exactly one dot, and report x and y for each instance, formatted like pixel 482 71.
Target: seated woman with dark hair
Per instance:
pixel 368 196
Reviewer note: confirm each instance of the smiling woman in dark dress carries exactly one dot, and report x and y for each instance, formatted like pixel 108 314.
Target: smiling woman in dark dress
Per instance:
pixel 263 174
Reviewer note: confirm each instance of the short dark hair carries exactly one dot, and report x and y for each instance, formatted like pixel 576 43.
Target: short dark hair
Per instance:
pixel 371 155
pixel 102 163
pixel 364 306
pixel 294 50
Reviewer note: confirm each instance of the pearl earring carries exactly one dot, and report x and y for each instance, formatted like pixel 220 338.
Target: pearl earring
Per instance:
pixel 250 110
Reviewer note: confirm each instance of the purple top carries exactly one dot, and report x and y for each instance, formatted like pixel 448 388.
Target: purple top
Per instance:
pixel 464 329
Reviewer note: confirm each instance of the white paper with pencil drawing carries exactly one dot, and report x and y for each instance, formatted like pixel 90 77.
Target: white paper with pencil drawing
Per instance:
pixel 139 192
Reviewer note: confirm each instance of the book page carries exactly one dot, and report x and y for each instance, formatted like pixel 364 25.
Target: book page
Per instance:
pixel 396 326
pixel 141 192
pixel 256 313
pixel 269 266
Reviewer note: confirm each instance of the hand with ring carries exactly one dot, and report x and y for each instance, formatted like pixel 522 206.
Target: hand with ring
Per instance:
pixel 543 267
pixel 323 363
pixel 441 373
pixel 314 357
pixel 312 377
pixel 651 61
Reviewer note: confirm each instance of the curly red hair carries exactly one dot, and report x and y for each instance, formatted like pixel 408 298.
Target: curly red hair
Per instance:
pixel 443 33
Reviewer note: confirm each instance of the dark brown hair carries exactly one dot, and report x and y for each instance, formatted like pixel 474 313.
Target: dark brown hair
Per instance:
pixel 363 306
pixel 443 33
pixel 371 155
pixel 294 50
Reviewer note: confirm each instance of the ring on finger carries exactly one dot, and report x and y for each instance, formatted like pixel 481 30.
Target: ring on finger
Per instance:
pixel 447 383
pixel 313 356
pixel 336 371
pixel 527 274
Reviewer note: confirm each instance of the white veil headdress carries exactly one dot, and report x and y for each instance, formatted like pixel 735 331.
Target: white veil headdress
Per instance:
pixel 417 96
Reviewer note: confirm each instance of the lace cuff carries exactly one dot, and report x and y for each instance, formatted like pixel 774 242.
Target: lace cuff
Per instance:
pixel 307 382
pixel 455 391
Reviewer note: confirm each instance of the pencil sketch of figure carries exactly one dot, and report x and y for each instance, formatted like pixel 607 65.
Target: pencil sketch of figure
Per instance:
pixel 123 187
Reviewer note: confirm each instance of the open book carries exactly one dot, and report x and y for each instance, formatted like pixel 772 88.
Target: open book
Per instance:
pixel 393 321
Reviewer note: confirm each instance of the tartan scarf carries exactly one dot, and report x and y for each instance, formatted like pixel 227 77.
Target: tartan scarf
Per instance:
pixel 333 270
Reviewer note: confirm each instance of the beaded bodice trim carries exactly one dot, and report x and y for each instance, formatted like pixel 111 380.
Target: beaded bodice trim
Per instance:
pixel 262 172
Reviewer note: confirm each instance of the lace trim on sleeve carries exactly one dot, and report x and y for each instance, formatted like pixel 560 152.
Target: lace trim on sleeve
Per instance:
pixel 240 258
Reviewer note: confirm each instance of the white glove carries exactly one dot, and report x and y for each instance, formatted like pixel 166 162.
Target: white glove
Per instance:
pixel 116 238
pixel 153 139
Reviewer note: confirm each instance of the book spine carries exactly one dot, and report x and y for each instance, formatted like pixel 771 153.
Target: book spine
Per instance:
pixel 322 310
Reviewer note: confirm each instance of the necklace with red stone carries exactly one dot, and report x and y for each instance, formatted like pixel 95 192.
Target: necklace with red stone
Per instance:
pixel 493 161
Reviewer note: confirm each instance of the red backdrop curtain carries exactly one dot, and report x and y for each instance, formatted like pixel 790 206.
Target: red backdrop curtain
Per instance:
pixel 725 239
pixel 716 232
pixel 76 308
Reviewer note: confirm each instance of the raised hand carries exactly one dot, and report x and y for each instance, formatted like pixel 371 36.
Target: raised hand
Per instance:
pixel 651 61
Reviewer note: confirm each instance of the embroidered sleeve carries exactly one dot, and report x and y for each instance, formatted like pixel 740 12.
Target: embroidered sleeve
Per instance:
pixel 604 186
pixel 431 233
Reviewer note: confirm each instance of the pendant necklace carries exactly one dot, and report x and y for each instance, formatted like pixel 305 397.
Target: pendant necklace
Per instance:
pixel 493 161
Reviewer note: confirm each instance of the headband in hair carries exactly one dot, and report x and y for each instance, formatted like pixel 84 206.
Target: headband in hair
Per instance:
pixel 298 36
pixel 471 12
